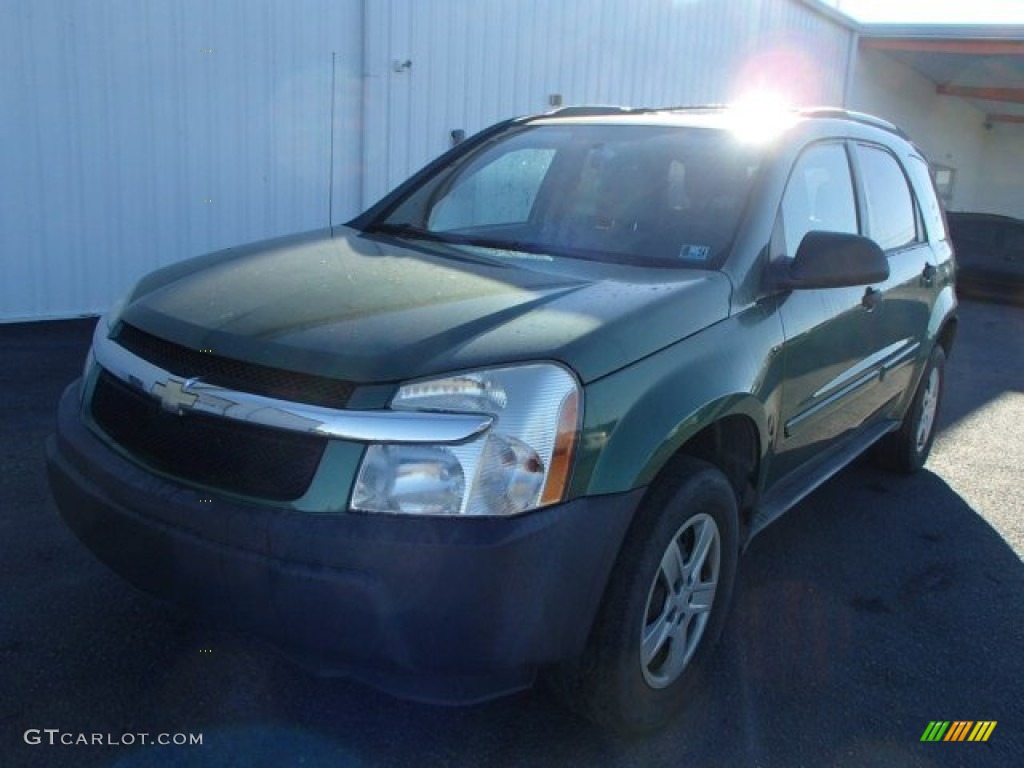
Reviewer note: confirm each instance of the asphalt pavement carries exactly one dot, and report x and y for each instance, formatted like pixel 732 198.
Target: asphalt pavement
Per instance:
pixel 876 606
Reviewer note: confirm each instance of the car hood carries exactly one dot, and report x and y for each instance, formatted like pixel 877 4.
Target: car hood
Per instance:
pixel 375 309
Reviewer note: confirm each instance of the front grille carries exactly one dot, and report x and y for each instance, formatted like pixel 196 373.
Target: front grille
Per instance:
pixel 243 458
pixel 234 374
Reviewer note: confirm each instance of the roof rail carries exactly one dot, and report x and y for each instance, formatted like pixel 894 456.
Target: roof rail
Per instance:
pixel 596 110
pixel 860 117
pixel 720 107
pixel 585 110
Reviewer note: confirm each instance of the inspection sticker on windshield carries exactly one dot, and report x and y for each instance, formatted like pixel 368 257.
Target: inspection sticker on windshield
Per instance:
pixel 695 252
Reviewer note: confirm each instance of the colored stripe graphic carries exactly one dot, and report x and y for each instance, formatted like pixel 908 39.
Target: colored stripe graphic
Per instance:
pixel 982 730
pixel 958 730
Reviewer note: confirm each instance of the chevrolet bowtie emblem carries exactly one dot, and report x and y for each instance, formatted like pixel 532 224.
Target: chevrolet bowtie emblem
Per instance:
pixel 174 395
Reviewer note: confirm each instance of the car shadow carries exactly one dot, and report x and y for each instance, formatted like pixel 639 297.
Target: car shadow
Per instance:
pixel 975 375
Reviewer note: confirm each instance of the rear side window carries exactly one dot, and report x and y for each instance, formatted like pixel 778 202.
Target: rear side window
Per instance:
pixel 890 207
pixel 819 195
pixel 930 206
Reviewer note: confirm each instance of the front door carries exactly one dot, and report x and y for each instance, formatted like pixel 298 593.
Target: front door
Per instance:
pixel 834 345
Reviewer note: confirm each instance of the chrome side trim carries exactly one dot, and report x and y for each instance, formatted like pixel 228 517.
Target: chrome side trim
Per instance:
pixel 907 355
pixel 359 426
pixel 794 423
pixel 887 357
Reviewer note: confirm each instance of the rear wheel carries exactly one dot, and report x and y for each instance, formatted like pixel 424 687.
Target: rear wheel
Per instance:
pixel 665 605
pixel 907 449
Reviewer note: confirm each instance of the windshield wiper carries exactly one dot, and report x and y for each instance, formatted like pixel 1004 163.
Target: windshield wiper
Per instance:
pixel 498 244
pixel 408 230
pixel 522 246
pixel 412 231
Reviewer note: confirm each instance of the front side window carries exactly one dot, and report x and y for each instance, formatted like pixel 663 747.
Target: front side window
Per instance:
pixel 640 194
pixel 892 222
pixel 819 196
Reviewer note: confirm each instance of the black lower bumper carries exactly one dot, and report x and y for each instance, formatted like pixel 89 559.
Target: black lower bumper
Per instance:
pixel 441 609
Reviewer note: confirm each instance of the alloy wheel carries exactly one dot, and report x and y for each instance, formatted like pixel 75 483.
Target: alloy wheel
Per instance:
pixel 679 601
pixel 929 409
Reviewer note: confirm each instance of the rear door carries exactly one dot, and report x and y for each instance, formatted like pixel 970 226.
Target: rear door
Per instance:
pixel 892 218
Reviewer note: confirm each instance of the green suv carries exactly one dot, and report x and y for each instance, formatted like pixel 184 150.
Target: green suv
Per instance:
pixel 522 415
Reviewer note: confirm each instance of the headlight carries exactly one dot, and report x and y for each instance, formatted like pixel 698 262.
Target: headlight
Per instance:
pixel 522 462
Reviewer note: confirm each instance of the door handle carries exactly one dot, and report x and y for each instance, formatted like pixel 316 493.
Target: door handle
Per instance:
pixel 928 275
pixel 871 298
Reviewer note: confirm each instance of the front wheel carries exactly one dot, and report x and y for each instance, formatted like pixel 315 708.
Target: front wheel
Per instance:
pixel 665 605
pixel 907 449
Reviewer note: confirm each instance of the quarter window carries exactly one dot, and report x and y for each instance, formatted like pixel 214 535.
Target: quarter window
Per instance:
pixel 932 209
pixel 891 219
pixel 819 196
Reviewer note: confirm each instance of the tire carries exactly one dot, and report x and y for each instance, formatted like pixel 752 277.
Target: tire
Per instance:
pixel 661 616
pixel 906 450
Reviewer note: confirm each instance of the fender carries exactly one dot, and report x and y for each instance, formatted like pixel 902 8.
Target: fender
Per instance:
pixel 638 417
pixel 943 316
pixel 944 311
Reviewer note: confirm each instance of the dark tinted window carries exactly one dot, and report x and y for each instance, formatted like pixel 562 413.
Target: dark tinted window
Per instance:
pixel 980 232
pixel 891 219
pixel 819 195
pixel 1014 243
pixel 668 194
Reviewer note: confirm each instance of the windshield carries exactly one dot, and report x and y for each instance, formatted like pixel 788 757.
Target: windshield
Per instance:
pixel 626 193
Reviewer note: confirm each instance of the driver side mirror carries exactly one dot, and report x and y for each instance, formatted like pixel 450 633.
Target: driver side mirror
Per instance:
pixel 832 260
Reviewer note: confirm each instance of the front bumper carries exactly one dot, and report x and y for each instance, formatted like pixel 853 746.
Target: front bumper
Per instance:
pixel 449 610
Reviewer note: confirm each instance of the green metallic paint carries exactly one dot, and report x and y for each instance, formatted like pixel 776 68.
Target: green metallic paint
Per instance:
pixel 638 418
pixel 942 311
pixel 376 309
pixel 333 482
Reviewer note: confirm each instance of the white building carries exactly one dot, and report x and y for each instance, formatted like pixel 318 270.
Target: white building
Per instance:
pixel 135 134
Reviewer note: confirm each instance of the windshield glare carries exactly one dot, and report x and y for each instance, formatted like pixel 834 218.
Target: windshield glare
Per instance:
pixel 631 194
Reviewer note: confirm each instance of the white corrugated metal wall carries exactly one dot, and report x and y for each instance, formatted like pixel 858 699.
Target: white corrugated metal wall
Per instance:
pixel 134 134
pixel 479 61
